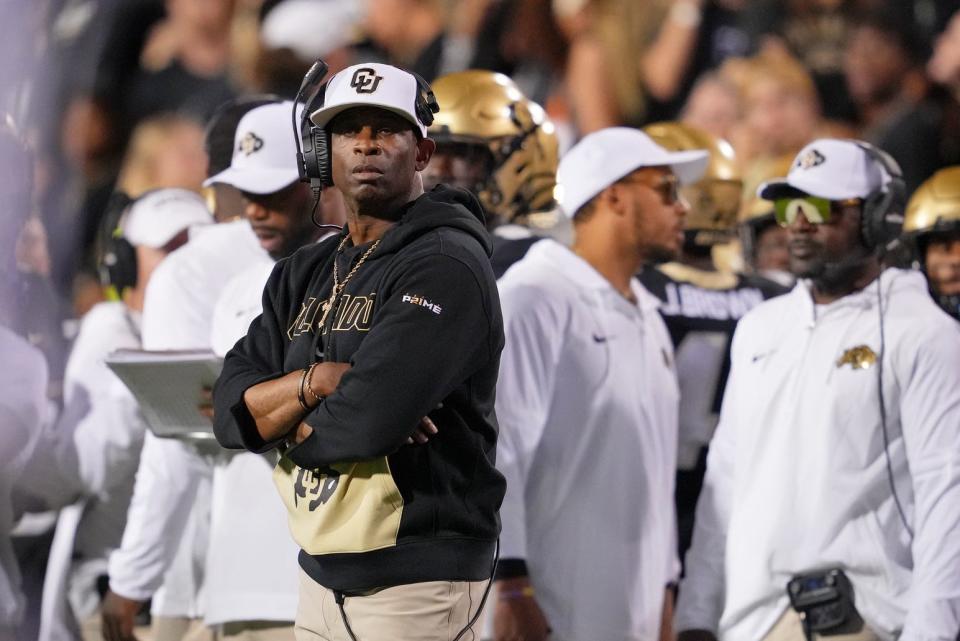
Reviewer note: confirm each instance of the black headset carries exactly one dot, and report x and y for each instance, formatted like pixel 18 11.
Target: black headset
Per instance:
pixel 117 266
pixel 882 219
pixel 313 156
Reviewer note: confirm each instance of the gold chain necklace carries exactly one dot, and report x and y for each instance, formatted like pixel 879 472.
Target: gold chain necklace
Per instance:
pixel 337 285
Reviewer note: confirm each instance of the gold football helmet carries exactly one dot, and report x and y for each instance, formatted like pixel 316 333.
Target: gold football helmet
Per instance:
pixel 931 227
pixel 935 205
pixel 715 198
pixel 487 110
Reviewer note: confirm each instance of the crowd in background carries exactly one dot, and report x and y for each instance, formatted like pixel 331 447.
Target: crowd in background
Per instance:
pixel 113 95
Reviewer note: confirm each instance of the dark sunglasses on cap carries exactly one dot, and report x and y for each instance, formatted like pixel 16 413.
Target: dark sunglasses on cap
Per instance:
pixel 817 211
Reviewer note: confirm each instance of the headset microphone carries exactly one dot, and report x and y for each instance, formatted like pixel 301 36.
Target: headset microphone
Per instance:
pixel 306 135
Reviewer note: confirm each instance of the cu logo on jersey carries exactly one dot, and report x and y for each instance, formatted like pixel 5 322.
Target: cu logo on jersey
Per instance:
pixel 365 80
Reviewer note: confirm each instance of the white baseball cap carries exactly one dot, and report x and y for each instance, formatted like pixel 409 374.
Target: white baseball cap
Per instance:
pixel 604 157
pixel 370 84
pixel 828 168
pixel 311 28
pixel 264 151
pixel 155 218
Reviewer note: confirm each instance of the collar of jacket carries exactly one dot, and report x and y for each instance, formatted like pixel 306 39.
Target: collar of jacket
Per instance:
pixel 586 277
pixel 891 279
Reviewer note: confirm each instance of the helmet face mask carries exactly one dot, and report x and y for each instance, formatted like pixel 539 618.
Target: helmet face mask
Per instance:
pixel 482 108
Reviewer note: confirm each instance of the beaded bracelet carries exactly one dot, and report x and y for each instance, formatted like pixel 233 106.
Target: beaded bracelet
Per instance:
pixel 300 395
pixel 510 595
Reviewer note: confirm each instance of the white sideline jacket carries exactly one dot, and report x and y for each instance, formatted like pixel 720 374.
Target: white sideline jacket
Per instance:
pixel 797 476
pixel 587 406
pixel 168 521
pixel 252 569
pixel 23 413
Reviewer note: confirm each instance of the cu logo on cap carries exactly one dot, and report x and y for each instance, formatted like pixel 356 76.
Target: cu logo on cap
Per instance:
pixel 250 143
pixel 811 159
pixel 365 80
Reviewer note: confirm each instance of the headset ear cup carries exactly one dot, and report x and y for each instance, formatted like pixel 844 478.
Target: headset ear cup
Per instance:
pixel 321 143
pixel 868 220
pixel 118 266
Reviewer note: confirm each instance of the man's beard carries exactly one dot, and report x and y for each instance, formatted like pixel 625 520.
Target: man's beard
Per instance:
pixel 834 276
pixel 659 254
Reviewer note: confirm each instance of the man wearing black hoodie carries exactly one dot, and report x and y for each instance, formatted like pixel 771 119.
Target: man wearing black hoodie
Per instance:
pixel 363 335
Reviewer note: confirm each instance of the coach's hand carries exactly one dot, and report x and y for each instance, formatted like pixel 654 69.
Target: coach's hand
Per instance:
pixel 425 429
pixel 516 614
pixel 205 405
pixel 118 614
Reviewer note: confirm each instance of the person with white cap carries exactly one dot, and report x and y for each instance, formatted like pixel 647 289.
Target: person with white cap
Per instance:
pixel 163 551
pixel 91 454
pixel 831 503
pixel 392 324
pixel 587 402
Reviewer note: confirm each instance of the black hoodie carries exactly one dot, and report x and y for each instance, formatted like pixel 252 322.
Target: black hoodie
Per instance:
pixel 420 324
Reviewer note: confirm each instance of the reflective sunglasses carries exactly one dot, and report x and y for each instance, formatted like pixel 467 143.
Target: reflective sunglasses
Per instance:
pixel 817 211
pixel 668 188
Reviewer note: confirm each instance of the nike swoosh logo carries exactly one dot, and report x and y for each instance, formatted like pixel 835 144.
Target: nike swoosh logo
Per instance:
pixel 599 339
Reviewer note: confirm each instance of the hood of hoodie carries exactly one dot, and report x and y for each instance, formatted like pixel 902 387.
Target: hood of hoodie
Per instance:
pixel 442 206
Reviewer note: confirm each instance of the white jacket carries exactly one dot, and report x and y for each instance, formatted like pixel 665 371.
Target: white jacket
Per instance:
pixel 797 475
pixel 587 407
pixel 23 413
pixel 168 522
pixel 252 570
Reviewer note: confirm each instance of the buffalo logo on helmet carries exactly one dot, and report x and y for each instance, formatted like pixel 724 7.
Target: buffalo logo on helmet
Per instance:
pixel 250 143
pixel 365 80
pixel 811 159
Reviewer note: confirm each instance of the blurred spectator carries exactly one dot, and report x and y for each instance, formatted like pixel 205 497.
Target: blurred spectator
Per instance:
pixel 815 32
pixel 184 62
pixel 633 62
pixel 413 34
pixel 616 59
pixel 28 304
pixel 944 65
pixel 781 111
pixel 164 151
pixel 521 38
pixel 713 105
pixel 884 74
pixel 297 32
pixel 32 253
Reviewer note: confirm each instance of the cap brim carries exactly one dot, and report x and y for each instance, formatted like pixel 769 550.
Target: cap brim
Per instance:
pixel 322 117
pixel 784 188
pixel 774 189
pixel 688 166
pixel 254 181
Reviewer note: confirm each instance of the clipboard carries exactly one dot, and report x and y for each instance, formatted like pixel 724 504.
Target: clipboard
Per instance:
pixel 167 385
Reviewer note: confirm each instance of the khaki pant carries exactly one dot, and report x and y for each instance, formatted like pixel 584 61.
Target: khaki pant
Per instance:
pixel 255 631
pixel 180 629
pixel 429 611
pixel 91 629
pixel 790 628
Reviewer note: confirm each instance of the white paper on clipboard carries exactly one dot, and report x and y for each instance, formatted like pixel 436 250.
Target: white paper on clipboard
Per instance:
pixel 167 385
